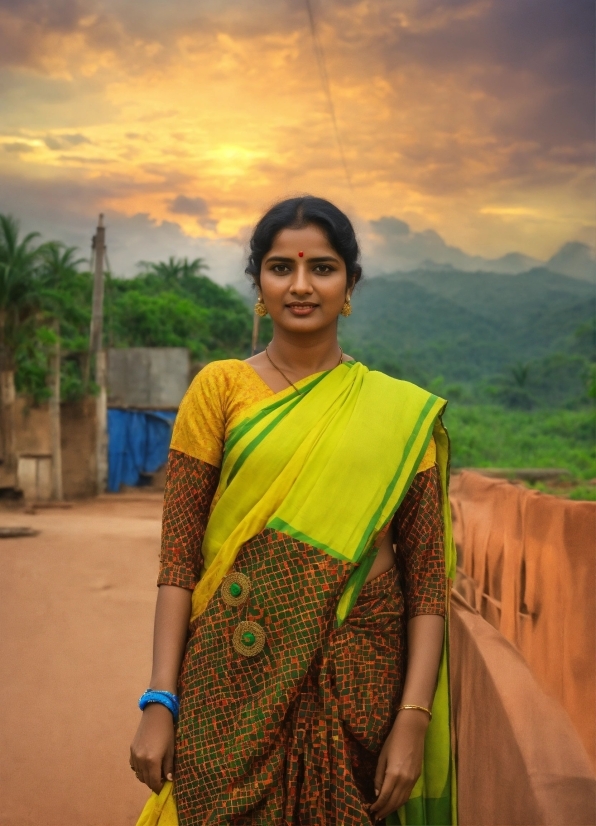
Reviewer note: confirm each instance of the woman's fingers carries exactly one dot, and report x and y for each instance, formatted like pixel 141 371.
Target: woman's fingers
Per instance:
pixel 168 764
pixel 398 793
pixel 148 770
pixel 153 775
pixel 386 791
pixel 380 772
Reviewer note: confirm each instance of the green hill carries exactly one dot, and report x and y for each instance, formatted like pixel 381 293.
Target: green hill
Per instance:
pixel 519 338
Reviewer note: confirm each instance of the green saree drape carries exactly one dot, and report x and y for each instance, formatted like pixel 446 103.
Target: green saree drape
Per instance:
pixel 326 467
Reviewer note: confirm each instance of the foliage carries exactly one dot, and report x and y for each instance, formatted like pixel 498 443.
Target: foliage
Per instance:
pixel 19 300
pixel 172 304
pixel 491 436
pixel 524 341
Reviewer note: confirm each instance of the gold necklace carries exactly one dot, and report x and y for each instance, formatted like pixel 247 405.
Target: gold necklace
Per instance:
pixel 279 370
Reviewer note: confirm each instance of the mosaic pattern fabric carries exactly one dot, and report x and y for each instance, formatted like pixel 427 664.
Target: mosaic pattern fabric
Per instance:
pixel 418 535
pixel 189 491
pixel 217 399
pixel 292 735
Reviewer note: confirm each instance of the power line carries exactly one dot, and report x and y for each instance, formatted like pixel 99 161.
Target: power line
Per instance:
pixel 318 49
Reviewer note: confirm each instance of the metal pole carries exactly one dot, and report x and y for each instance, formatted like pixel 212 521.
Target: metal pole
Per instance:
pixel 99 242
pixel 55 428
pixel 96 349
pixel 255 333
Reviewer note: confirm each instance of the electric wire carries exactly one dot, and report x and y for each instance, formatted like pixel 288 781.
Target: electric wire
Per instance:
pixel 320 57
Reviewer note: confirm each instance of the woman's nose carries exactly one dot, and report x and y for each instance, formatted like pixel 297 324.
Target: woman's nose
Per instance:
pixel 301 284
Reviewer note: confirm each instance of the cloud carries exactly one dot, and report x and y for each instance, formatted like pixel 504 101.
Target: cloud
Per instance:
pixel 18 147
pixel 61 142
pixel 67 211
pixel 474 117
pixel 393 245
pixel 189 206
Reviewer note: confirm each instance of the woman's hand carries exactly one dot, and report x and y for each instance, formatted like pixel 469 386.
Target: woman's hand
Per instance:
pixel 400 762
pixel 152 750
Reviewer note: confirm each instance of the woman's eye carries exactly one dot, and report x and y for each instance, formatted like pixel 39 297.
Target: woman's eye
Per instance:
pixel 323 269
pixel 282 269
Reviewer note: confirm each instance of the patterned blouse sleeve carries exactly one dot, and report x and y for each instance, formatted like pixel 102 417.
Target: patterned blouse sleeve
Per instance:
pixel 418 534
pixel 191 480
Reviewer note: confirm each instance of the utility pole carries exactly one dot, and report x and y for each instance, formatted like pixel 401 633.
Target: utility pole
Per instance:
pixel 97 350
pixel 255 333
pixel 55 428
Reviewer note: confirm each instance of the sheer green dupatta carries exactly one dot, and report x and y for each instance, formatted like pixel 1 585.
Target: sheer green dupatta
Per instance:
pixel 329 464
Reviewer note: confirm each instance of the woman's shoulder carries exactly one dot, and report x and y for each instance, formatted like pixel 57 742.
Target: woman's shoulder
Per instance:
pixel 229 386
pixel 220 376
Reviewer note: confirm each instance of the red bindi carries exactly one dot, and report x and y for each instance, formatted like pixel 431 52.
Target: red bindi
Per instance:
pixel 300 255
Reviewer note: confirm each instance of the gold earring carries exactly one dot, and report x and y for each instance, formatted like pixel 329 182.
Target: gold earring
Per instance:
pixel 260 308
pixel 346 310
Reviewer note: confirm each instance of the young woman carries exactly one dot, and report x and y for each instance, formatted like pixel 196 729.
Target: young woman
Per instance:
pixel 303 580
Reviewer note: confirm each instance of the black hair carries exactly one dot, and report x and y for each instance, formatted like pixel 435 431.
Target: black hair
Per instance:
pixel 297 213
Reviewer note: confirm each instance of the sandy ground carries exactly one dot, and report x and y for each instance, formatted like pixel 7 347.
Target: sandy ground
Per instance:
pixel 76 608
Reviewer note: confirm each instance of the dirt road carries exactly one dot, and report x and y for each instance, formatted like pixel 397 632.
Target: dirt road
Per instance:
pixel 76 606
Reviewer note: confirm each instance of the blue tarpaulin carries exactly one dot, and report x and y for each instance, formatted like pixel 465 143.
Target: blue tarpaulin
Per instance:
pixel 138 444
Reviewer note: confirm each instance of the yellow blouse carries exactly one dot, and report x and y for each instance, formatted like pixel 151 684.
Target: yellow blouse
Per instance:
pixel 218 395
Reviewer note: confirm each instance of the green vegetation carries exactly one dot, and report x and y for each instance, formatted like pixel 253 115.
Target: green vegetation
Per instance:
pixel 45 293
pixel 515 355
pixel 524 341
pixel 492 436
pixel 173 304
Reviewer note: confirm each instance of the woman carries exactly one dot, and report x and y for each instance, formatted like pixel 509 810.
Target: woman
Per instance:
pixel 303 581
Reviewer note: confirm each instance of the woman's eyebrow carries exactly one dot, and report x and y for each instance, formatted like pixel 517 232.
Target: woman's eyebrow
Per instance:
pixel 279 258
pixel 315 259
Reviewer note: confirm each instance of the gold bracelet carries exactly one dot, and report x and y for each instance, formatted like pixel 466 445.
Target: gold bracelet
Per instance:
pixel 417 708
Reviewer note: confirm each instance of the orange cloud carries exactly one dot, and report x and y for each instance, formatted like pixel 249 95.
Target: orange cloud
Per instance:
pixel 457 116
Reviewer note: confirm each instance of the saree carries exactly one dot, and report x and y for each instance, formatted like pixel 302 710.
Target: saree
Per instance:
pixel 292 533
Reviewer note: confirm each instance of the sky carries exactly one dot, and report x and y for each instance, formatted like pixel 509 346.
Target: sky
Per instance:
pixel 464 124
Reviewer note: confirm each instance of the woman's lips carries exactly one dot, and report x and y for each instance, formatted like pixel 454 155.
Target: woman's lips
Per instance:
pixel 301 309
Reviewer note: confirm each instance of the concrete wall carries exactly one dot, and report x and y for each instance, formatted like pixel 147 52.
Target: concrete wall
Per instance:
pixel 519 760
pixel 78 421
pixel 79 434
pixel 148 377
pixel 527 564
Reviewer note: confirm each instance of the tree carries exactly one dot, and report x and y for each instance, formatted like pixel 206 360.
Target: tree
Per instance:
pixel 58 280
pixel 174 270
pixel 19 300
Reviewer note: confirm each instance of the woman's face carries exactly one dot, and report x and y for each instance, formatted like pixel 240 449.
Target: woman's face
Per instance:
pixel 303 280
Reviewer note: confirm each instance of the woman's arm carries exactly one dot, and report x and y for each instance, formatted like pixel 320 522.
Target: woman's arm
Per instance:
pixel 418 533
pixel 152 750
pixel 190 486
pixel 400 761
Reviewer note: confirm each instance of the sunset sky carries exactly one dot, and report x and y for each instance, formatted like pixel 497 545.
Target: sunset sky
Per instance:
pixel 183 120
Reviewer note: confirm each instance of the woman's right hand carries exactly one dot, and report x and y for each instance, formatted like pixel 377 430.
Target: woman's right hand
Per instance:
pixel 152 750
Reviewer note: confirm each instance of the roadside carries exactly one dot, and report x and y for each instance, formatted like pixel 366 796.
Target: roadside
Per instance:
pixel 76 607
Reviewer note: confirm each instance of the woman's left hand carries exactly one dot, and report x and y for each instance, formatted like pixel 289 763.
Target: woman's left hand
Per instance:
pixel 400 762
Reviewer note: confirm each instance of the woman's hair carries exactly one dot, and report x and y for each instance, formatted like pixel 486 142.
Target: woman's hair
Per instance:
pixel 297 213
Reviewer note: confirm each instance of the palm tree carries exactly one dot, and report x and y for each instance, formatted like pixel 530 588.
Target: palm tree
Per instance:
pixel 19 300
pixel 58 279
pixel 174 269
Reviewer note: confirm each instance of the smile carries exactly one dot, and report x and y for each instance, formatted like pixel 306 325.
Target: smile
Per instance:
pixel 301 309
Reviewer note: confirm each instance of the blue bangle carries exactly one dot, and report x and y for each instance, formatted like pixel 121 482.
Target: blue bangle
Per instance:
pixel 165 698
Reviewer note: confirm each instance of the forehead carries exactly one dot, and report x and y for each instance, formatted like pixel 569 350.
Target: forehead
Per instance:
pixel 310 239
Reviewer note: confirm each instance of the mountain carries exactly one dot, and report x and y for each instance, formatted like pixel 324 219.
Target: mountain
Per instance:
pixel 395 246
pixel 574 259
pixel 471 328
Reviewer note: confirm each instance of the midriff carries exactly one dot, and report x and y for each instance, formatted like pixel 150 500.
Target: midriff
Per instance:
pixel 385 558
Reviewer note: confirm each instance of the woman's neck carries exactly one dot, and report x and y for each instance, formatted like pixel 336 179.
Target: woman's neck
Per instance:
pixel 303 356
